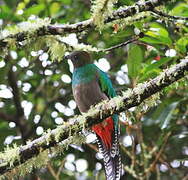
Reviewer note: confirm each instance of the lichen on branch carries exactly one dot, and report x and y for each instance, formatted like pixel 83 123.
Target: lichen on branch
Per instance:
pixel 101 9
pixel 69 132
pixel 25 31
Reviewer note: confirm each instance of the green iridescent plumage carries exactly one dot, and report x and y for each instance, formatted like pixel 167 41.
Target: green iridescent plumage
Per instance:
pixel 90 86
pixel 88 72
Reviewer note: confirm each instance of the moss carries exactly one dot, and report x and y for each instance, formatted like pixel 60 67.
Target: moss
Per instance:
pixel 122 23
pixel 48 136
pixel 62 146
pixel 34 163
pixel 10 155
pixel 58 133
pixel 127 94
pixel 39 43
pixel 29 26
pixel 79 139
pixel 140 88
pixel 148 103
pixel 93 111
pixel 56 48
pixel 72 128
pixel 28 29
pixel 118 103
pixel 101 9
pixel 83 123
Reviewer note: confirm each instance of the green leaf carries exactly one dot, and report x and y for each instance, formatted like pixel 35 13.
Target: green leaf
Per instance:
pixel 54 8
pixel 182 44
pixel 152 70
pixel 149 74
pixel 35 9
pixel 166 115
pixel 180 10
pixel 11 3
pixel 157 64
pixel 163 112
pixel 157 34
pixel 66 2
pixel 135 57
pixel 6 13
pixel 151 40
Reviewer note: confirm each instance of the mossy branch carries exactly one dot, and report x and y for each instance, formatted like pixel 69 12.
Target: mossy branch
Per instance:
pixel 63 29
pixel 95 115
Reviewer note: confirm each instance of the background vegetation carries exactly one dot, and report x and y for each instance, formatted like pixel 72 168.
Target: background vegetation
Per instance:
pixel 35 92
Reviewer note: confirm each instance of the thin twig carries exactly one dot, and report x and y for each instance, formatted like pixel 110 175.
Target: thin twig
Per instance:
pixel 125 150
pixel 159 13
pixel 185 177
pixel 53 173
pixel 20 117
pixel 158 173
pixel 124 43
pixel 132 172
pixel 158 154
pixel 7 117
pixel 93 147
pixel 59 169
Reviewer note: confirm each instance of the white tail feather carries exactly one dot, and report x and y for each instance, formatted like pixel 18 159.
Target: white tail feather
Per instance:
pixel 111 157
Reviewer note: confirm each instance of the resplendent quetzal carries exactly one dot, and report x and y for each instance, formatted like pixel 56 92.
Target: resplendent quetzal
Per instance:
pixel 90 86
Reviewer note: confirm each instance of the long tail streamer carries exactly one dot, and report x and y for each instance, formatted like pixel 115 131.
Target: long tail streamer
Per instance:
pixel 108 143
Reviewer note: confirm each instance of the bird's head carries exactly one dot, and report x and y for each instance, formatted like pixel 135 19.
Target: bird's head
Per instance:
pixel 79 58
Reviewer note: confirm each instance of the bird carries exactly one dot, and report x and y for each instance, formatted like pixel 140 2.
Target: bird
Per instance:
pixel 90 85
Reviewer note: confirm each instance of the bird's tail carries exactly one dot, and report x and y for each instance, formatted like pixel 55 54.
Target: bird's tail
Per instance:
pixel 108 142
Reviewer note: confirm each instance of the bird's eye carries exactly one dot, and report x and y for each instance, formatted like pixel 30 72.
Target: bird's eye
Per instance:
pixel 75 57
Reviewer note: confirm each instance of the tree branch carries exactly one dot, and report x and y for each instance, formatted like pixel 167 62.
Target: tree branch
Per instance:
pixel 16 94
pixel 95 115
pixel 159 13
pixel 84 25
pixel 7 117
pixel 20 117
